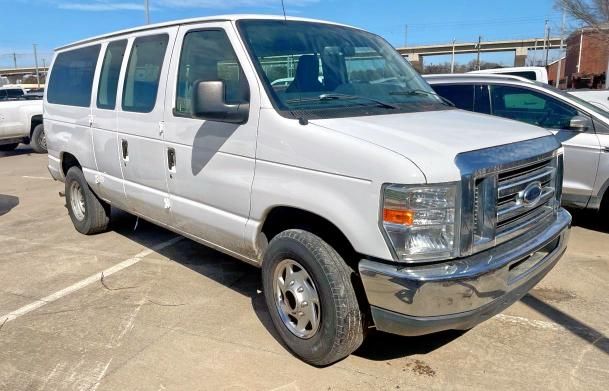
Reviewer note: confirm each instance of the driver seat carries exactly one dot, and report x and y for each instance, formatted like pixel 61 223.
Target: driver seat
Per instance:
pixel 307 75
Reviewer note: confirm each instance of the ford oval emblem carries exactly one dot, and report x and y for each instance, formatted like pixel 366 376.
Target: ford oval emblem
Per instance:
pixel 532 193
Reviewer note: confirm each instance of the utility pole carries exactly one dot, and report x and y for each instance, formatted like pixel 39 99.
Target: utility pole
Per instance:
pixel 15 59
pixel 36 63
pixel 452 61
pixel 548 46
pixel 545 38
pixel 478 58
pixel 562 41
pixel 147 10
pixel 405 35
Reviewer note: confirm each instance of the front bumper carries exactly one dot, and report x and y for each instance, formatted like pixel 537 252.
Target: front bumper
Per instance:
pixel 458 294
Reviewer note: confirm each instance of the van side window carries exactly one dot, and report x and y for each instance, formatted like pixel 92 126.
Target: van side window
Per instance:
pixel 111 69
pixel 143 73
pixel 207 55
pixel 72 74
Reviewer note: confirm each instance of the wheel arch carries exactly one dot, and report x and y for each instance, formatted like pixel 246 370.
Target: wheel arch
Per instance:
pixel 283 217
pixel 35 121
pixel 68 161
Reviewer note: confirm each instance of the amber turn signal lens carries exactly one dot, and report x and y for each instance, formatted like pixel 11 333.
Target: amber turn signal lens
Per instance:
pixel 402 217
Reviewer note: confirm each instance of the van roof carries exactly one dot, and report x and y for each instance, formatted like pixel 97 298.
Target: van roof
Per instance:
pixel 218 18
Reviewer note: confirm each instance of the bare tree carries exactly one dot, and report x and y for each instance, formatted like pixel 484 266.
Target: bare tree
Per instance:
pixel 594 14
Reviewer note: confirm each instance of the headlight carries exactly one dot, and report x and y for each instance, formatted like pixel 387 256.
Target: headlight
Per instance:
pixel 419 221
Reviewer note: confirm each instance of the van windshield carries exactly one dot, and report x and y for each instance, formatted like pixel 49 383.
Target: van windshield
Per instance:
pixel 318 70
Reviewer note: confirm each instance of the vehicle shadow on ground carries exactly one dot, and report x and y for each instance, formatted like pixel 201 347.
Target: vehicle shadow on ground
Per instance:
pixel 380 346
pixel 246 280
pixel 7 203
pixel 589 219
pixel 228 271
pixel 21 150
pixel 576 327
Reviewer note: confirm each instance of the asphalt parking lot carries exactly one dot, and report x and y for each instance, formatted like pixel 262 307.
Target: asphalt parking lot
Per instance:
pixel 138 308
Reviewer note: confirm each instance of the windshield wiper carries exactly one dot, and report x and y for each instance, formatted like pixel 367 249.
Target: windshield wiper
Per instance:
pixel 423 92
pixel 332 96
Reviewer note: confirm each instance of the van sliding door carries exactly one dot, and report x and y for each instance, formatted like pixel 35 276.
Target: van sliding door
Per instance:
pixel 140 105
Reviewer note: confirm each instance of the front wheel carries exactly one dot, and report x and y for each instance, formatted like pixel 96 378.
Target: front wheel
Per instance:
pixel 311 300
pixel 88 213
pixel 39 140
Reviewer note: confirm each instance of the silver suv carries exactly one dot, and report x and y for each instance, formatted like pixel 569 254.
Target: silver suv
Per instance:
pixel 582 127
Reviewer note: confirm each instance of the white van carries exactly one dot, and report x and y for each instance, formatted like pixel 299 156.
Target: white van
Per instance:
pixel 365 199
pixel 539 74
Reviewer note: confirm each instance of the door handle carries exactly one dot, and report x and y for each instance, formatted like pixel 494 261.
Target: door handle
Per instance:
pixel 171 159
pixel 604 149
pixel 125 147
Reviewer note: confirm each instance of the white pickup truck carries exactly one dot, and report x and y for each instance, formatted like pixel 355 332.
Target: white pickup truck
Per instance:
pixel 21 122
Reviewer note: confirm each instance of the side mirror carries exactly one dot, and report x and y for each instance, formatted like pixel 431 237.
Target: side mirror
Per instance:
pixel 208 103
pixel 579 123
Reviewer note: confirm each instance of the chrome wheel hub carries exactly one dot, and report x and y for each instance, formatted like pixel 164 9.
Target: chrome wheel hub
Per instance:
pixel 77 201
pixel 296 299
pixel 42 140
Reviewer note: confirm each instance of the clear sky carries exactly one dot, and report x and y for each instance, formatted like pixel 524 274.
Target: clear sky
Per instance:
pixel 51 23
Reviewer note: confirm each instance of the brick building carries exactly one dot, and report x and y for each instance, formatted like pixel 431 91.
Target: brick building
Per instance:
pixel 553 70
pixel 586 59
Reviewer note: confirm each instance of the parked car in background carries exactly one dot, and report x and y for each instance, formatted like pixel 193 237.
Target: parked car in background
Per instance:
pixel 364 204
pixel 11 93
pixel 598 98
pixel 21 122
pixel 539 74
pixel 14 92
pixel 582 127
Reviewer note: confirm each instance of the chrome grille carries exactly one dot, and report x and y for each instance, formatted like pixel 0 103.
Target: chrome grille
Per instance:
pixel 491 180
pixel 514 215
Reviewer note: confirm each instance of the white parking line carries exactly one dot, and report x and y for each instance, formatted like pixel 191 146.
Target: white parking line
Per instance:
pixel 87 281
pixel 538 324
pixel 36 177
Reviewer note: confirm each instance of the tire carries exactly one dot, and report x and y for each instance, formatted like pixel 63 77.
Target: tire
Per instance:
pixel 8 147
pixel 89 214
pixel 38 142
pixel 340 322
pixel 604 211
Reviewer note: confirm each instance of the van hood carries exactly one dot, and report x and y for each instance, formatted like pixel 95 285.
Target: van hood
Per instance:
pixel 432 140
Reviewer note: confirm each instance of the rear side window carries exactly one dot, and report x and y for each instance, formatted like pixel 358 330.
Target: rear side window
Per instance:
pixel 207 55
pixel 108 80
pixel 71 79
pixel 462 95
pixel 14 93
pixel 526 74
pixel 143 73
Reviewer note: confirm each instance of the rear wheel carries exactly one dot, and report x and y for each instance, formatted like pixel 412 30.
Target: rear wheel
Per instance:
pixel 88 213
pixel 8 147
pixel 39 140
pixel 311 300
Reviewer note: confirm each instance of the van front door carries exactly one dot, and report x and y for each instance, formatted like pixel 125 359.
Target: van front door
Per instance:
pixel 210 164
pixel 140 142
